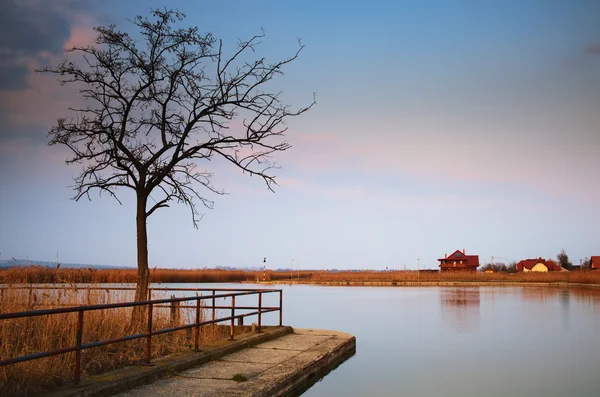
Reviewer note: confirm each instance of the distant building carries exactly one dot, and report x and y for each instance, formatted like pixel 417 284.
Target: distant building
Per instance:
pixel 595 262
pixel 459 261
pixel 539 265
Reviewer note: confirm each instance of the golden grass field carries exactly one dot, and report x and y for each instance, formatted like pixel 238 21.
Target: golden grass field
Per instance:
pixel 44 333
pixel 38 274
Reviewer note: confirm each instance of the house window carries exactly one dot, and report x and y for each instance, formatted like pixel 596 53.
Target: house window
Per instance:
pixel 458 255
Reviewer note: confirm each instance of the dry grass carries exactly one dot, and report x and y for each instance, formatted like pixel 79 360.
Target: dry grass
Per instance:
pixel 37 334
pixel 40 274
pixel 584 277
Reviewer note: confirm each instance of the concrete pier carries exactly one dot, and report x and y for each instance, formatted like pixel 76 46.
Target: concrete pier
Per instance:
pixel 280 361
pixel 279 367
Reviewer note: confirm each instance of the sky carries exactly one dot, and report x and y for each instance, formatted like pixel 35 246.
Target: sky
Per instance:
pixel 438 126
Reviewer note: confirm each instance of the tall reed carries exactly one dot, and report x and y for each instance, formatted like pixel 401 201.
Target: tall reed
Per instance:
pixel 44 333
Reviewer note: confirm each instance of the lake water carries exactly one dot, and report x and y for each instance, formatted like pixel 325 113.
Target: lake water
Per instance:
pixel 453 341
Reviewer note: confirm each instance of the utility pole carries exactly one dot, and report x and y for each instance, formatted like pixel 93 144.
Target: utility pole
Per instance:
pixel 265 268
pixel 418 268
pixel 291 262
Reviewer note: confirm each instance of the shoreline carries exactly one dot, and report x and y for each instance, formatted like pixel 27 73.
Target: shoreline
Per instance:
pixel 561 284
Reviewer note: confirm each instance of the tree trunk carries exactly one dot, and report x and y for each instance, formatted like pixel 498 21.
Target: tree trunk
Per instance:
pixel 138 315
pixel 143 280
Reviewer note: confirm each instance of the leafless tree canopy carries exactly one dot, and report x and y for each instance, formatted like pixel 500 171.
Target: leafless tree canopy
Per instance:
pixel 157 107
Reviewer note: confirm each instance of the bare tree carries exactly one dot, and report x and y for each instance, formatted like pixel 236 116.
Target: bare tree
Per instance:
pixel 587 263
pixel 158 107
pixel 563 260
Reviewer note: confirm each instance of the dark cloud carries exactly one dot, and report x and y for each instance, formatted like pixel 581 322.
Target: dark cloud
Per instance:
pixel 28 30
pixel 13 75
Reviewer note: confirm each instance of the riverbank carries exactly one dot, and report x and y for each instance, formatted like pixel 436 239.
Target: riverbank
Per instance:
pixel 37 274
pixel 429 283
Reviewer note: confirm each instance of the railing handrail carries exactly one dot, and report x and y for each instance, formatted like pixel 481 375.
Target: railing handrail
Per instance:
pixel 94 288
pixel 79 346
pixel 72 309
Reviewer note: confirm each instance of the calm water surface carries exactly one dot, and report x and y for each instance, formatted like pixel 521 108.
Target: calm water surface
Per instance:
pixel 454 341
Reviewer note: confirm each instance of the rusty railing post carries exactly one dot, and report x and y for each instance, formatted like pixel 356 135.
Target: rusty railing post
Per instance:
pixel 232 325
pixel 149 337
pixel 213 305
pixel 259 311
pixel 78 338
pixel 280 308
pixel 197 329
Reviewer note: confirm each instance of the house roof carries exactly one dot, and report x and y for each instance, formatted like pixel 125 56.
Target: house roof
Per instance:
pixel 529 263
pixel 595 262
pixel 458 255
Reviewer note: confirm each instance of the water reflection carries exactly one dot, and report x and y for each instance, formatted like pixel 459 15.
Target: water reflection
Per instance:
pixel 512 341
pixel 460 308
pixel 561 301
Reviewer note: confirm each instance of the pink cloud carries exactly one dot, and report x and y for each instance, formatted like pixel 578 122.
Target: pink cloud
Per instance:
pixel 593 49
pixel 41 104
pixel 81 35
pixel 510 153
pixel 399 201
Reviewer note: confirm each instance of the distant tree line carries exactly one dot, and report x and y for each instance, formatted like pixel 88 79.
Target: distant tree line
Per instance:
pixel 500 267
pixel 562 259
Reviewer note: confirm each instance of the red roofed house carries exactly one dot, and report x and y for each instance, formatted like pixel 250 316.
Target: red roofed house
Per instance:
pixel 459 261
pixel 595 262
pixel 539 265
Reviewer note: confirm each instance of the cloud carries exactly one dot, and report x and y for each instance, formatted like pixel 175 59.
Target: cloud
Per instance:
pixel 547 153
pixel 28 30
pixel 34 34
pixel 593 49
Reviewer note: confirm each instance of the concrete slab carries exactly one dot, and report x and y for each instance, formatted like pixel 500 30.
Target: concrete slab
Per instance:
pixel 312 331
pixel 294 342
pixel 302 370
pixel 177 386
pixel 267 356
pixel 288 367
pixel 226 370
pixel 119 380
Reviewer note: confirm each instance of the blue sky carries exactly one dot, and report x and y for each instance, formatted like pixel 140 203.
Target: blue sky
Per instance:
pixel 438 126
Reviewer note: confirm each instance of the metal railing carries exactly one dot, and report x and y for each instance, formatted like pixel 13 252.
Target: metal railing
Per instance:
pixel 258 311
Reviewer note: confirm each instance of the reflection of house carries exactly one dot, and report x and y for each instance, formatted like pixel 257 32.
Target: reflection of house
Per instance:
pixel 539 265
pixel 595 262
pixel 459 261
pixel 460 308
